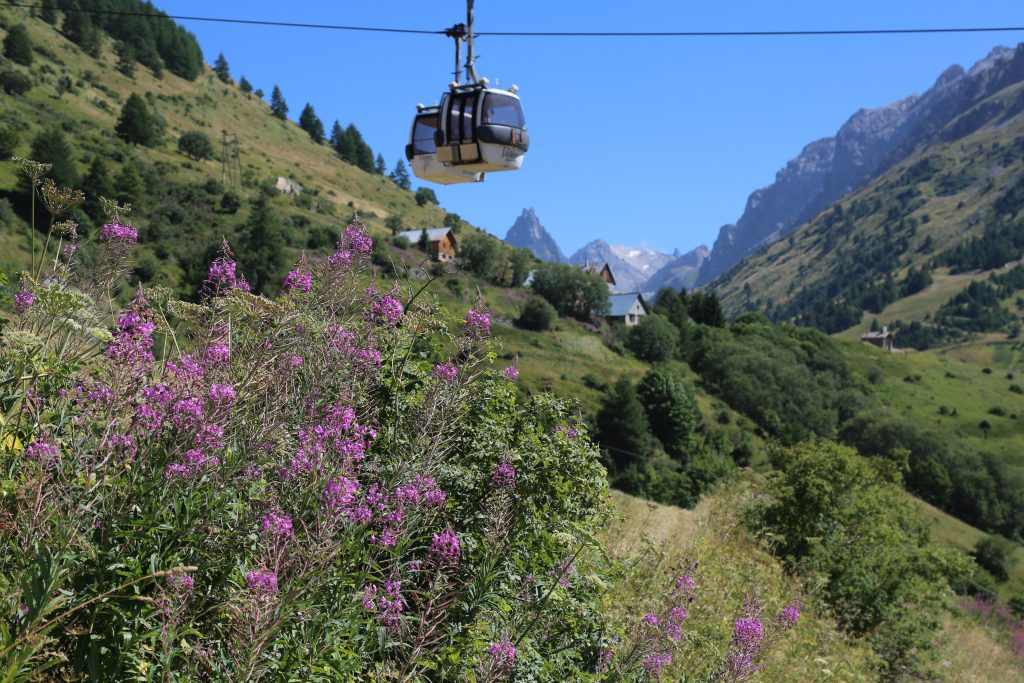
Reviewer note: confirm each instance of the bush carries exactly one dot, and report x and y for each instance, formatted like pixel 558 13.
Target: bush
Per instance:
pixel 572 291
pixel 196 145
pixel 137 124
pixel 825 508
pixel 14 82
pixel 995 554
pixel 270 500
pixel 654 339
pixel 18 46
pixel 9 140
pixel 230 202
pixel 537 314
pixel 671 409
pixel 424 196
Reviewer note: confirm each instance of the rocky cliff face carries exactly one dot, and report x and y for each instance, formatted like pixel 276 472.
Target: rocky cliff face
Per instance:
pixel 868 144
pixel 528 232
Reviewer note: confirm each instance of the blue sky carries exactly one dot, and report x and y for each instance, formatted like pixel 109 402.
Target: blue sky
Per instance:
pixel 652 142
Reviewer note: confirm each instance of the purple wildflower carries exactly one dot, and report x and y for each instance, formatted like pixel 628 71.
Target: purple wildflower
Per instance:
pixel 478 324
pixel 132 341
pixel 180 583
pixel 118 233
pixel 789 615
pixel 651 619
pixel 217 354
pixel 748 632
pixel 511 373
pixel 301 280
pixel 221 276
pixel 655 662
pixel 447 372
pixel 24 299
pixel 277 525
pixel 502 655
pixel 222 393
pixel 264 582
pixel 42 450
pixel 357 240
pixel 341 492
pixel 386 311
pixel 445 547
pixel 504 476
pixel 369 597
pixel 342 258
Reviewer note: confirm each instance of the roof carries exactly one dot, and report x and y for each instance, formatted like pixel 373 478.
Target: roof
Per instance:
pixel 621 303
pixel 433 234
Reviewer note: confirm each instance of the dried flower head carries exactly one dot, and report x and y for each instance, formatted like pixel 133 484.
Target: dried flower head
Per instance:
pixel 57 200
pixel 33 170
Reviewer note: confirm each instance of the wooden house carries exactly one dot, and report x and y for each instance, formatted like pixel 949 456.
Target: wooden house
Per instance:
pixel 881 338
pixel 605 273
pixel 441 242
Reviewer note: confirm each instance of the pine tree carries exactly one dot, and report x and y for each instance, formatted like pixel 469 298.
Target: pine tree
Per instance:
pixel 18 46
pixel 48 12
pixel 125 59
pixel 379 168
pixel 244 85
pixel 362 155
pixel 130 186
pixel 341 141
pixel 136 124
pixel 220 67
pixel 51 147
pixel 262 257
pixel 622 426
pixel 79 29
pixel 311 123
pixel 278 107
pixel 401 176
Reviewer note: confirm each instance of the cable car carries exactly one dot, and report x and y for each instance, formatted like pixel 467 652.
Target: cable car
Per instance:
pixel 475 130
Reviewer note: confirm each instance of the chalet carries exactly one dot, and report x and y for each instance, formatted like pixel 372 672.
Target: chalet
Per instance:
pixel 627 308
pixel 881 338
pixel 604 273
pixel 441 242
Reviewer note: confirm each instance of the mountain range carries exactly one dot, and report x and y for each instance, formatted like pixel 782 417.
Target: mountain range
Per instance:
pixel 868 144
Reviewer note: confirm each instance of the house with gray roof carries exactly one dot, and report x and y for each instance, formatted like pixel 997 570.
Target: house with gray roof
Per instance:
pixel 627 308
pixel 441 242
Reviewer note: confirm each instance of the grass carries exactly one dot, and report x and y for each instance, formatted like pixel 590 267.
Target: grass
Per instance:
pixel 732 562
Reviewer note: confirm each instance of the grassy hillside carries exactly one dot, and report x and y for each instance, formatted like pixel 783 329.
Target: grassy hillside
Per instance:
pixel 86 106
pixel 818 650
pixel 851 263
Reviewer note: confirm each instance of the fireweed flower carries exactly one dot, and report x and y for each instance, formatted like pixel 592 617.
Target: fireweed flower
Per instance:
pixel 504 476
pixel 357 240
pixel 221 276
pixel 116 232
pixel 222 393
pixel 386 311
pixel 132 341
pixel 569 432
pixel 789 615
pixel 369 597
pixel 502 655
pixel 478 324
pixel 261 582
pixel 24 299
pixel 180 583
pixel 563 571
pixel 341 258
pixel 341 492
pixel 42 450
pixel 655 662
pixel 301 280
pixel 277 525
pixel 651 619
pixel 511 373
pixel 217 354
pixel 445 547
pixel 447 371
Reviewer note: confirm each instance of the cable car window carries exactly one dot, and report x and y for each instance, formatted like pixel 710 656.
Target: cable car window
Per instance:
pixel 454 118
pixel 503 111
pixel 423 134
pixel 467 117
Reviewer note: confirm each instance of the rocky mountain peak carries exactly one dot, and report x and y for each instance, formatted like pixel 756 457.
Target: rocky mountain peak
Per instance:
pixel 528 232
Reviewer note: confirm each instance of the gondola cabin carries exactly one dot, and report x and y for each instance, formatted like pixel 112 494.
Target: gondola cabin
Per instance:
pixel 475 130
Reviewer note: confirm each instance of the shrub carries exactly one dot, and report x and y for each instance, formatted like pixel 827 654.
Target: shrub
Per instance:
pixel 572 291
pixel 230 202
pixel 196 145
pixel 136 124
pixel 995 554
pixel 9 140
pixel 14 82
pixel 825 506
pixel 654 339
pixel 537 314
pixel 18 46
pixel 424 196
pixel 671 409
